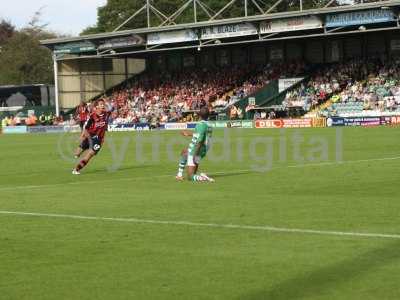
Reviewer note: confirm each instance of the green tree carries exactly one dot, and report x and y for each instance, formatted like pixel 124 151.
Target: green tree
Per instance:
pixel 6 31
pixel 115 12
pixel 22 59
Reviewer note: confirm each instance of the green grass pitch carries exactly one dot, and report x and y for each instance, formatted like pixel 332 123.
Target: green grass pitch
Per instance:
pixel 303 187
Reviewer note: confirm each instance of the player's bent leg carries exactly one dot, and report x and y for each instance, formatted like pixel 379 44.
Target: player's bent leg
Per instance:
pixel 182 164
pixel 192 169
pixel 196 161
pixel 78 152
pixel 88 156
pixel 199 178
pixel 192 176
pixel 207 177
pixel 85 145
pixel 95 145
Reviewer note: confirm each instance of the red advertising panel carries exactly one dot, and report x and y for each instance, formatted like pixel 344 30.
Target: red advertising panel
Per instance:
pixel 284 123
pixel 395 120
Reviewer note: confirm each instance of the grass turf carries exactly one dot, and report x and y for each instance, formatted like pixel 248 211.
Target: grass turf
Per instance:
pixel 56 258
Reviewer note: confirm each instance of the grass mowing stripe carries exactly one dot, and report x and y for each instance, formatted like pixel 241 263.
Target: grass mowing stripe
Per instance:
pixel 211 225
pixel 322 164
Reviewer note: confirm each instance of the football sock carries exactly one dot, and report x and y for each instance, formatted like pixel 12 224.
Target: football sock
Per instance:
pixel 198 178
pixel 81 165
pixel 182 164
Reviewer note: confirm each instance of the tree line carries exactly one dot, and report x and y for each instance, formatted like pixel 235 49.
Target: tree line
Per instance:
pixel 115 12
pixel 22 59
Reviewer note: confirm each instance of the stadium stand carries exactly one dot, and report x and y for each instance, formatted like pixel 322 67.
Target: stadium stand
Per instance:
pixel 324 83
pixel 372 88
pixel 355 87
pixel 165 97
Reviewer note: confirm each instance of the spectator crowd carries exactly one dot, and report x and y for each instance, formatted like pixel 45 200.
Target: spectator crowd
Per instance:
pixel 378 90
pixel 171 97
pixel 32 120
pixel 372 84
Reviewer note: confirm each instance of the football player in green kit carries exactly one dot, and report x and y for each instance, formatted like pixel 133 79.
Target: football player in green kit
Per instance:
pixel 197 150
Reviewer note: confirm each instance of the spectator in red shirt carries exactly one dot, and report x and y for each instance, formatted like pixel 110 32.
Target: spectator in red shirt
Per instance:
pixel 81 114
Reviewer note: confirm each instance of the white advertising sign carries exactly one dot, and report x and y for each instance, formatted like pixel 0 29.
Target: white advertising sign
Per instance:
pixel 287 83
pixel 224 31
pixel 171 37
pixel 292 24
pixel 175 126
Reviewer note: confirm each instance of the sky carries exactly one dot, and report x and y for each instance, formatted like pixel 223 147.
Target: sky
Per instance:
pixel 64 16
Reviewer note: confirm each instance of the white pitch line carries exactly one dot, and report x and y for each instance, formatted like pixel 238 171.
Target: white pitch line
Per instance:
pixel 330 163
pixel 210 225
pixel 23 187
pixel 321 164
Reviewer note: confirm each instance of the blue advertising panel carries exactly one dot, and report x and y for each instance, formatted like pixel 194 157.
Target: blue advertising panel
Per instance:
pixel 14 129
pixel 356 121
pixel 46 129
pixel 362 121
pixel 335 122
pixel 191 125
pixel 359 18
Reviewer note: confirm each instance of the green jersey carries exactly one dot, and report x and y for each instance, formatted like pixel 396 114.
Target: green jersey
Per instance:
pixel 202 134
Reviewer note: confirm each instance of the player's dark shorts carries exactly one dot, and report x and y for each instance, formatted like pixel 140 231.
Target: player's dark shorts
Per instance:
pixel 93 143
pixel 81 124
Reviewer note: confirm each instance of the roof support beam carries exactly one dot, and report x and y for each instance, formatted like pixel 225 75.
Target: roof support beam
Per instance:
pixel 130 18
pixel 268 36
pixel 222 10
pixel 334 29
pixel 176 14
pixel 204 8
pixel 163 17
pixel 273 6
pixel 207 7
pixel 329 3
pixel 195 10
pixel 258 6
pixel 148 13
pixel 152 47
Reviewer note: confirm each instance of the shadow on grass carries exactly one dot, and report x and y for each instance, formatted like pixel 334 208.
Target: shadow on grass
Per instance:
pixel 230 174
pixel 110 170
pixel 318 282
